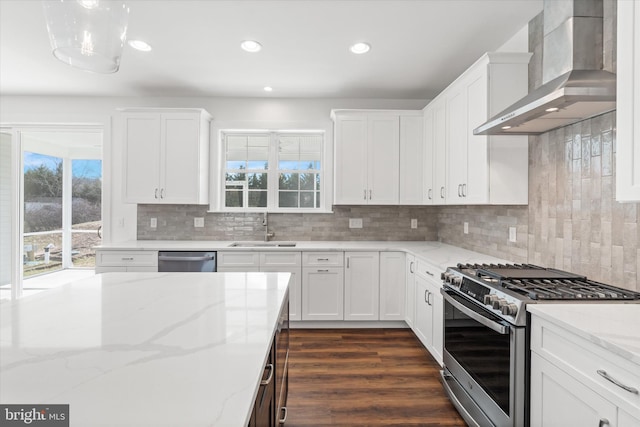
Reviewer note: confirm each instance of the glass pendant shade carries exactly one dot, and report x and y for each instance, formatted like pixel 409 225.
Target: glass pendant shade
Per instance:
pixel 87 34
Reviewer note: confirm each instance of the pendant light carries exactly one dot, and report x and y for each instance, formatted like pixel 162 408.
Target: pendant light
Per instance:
pixel 87 34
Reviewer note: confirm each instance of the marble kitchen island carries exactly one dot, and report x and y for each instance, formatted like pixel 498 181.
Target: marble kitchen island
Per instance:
pixel 144 349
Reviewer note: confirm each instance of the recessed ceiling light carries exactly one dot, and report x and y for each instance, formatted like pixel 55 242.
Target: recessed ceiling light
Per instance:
pixel 552 109
pixel 140 45
pixel 506 127
pixel 360 48
pixel 251 46
pixel 268 89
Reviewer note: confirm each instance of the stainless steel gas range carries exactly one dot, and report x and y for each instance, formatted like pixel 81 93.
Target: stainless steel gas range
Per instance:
pixel 486 334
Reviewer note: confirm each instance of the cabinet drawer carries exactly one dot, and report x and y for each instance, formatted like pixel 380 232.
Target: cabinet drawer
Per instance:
pixel 238 259
pixel 312 259
pixel 427 271
pixel 127 258
pixel 584 360
pixel 289 259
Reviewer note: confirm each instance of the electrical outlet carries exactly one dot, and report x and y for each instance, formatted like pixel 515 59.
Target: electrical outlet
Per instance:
pixel 414 223
pixel 153 223
pixel 465 228
pixel 512 234
pixel 355 222
pixel 198 222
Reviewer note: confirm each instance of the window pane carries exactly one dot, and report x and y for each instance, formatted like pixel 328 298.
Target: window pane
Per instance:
pixel 307 181
pixel 236 164
pixel 317 199
pixel 233 199
pixel 257 181
pixel 258 165
pixel 288 199
pixel 257 199
pixel 289 181
pixel 307 199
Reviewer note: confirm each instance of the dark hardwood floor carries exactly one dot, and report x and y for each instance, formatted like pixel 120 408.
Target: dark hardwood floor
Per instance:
pixel 364 377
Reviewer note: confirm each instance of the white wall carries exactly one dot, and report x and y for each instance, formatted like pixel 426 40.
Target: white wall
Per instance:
pixel 119 218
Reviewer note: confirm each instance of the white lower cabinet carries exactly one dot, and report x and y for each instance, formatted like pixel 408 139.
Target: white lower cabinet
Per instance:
pixel 322 286
pixel 392 285
pixel 361 286
pixel 568 384
pixel 108 261
pixel 410 290
pixel 428 310
pixel 232 261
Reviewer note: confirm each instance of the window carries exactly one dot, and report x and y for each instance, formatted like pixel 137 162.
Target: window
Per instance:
pixel 273 170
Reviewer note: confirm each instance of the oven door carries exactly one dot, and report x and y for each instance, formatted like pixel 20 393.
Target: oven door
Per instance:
pixel 484 363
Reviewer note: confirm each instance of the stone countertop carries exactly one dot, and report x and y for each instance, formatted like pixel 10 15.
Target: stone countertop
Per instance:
pixel 438 254
pixel 611 326
pixel 145 349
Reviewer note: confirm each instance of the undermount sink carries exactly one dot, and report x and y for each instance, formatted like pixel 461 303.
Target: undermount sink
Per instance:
pixel 263 245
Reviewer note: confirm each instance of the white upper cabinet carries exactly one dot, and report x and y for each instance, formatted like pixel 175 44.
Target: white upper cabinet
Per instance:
pixel 477 169
pixel 412 181
pixel 628 102
pixel 166 155
pixel 368 146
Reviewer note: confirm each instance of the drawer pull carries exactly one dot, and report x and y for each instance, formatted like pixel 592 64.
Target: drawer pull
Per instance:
pixel 603 422
pixel 322 259
pixel 323 271
pixel 429 273
pixel 268 380
pixel 609 378
pixel 284 418
pixel 127 258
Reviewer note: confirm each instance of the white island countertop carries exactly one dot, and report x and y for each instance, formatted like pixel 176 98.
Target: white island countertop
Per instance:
pixel 613 327
pixel 143 349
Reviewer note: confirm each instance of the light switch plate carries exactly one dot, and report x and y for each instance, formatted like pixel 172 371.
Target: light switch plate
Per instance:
pixel 465 228
pixel 198 222
pixel 153 223
pixel 355 222
pixel 414 223
pixel 512 234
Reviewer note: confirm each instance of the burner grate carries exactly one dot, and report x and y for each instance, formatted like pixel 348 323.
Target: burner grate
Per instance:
pixel 567 289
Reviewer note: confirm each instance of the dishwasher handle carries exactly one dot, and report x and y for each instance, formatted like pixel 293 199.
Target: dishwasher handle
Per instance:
pixel 185 258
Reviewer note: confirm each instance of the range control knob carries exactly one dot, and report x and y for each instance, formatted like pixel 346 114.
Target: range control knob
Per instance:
pixel 489 299
pixel 447 277
pixel 457 280
pixel 509 309
pixel 499 303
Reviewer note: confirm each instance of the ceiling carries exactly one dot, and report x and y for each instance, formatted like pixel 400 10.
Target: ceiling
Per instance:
pixel 418 48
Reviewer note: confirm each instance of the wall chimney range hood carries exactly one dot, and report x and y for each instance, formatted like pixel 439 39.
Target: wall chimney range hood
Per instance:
pixel 574 96
pixel 575 86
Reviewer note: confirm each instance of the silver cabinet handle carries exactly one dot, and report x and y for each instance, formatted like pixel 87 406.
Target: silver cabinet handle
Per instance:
pixel 348 258
pixel 609 378
pixel 284 418
pixel 430 194
pixel 429 273
pixel 369 194
pixel 323 271
pixel 322 259
pixel 127 258
pixel 162 193
pixel 429 298
pixel 365 194
pixel 464 190
pixel 185 258
pixel 426 296
pixel 603 422
pixel 442 192
pixel 459 190
pixel 270 377
pixel 155 193
pixel 411 270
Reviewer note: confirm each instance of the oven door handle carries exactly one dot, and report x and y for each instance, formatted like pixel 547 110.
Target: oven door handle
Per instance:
pixel 499 328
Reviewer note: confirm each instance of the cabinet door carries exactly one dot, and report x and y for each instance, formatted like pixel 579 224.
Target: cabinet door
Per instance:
pixel 456 119
pixel 412 166
pixel 295 291
pixel 434 299
pixel 476 188
pixel 392 285
pixel 323 293
pixel 424 313
pixel 351 159
pixel 428 163
pixel 141 157
pixel 181 157
pixel 410 291
pixel 439 152
pixel 625 419
pixel 361 286
pixel 628 102
pixel 559 400
pixel 383 160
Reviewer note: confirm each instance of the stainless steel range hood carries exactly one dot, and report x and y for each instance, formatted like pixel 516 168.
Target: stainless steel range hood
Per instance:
pixel 574 96
pixel 574 85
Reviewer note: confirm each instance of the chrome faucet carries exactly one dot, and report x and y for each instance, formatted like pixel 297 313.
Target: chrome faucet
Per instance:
pixel 265 223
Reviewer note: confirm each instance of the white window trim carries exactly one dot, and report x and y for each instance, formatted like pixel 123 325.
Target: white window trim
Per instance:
pixel 272 196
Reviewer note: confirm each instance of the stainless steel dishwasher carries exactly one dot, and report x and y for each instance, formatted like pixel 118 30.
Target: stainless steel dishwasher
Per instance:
pixel 186 261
